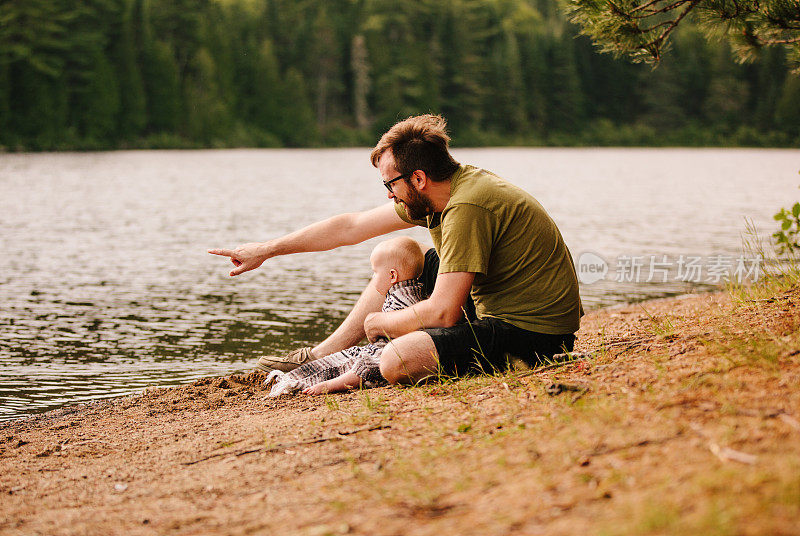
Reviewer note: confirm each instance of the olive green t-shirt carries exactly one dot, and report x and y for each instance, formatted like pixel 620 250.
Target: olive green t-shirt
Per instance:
pixel 524 273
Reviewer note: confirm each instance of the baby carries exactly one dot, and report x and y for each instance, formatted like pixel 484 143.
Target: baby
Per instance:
pixel 396 265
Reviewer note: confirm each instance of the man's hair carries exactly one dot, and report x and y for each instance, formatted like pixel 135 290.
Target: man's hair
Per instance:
pixel 419 142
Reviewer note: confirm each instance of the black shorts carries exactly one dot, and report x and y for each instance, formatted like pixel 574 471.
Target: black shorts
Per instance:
pixel 487 345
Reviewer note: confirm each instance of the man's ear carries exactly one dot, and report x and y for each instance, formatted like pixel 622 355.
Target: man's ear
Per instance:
pixel 394 276
pixel 421 179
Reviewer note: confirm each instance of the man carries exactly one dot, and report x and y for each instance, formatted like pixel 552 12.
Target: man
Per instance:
pixel 494 241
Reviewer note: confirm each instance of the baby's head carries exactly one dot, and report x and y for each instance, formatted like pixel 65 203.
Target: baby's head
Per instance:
pixel 396 259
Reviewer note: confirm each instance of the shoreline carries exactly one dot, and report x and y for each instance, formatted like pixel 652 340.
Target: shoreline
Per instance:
pixel 72 407
pixel 685 419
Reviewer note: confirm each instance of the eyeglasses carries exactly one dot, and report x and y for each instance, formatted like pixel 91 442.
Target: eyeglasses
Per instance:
pixel 388 184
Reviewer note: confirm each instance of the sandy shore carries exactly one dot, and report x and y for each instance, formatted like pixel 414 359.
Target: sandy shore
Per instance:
pixel 686 420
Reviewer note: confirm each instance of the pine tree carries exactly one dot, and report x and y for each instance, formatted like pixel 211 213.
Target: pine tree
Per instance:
pixel 641 28
pixel 462 40
pixel 692 66
pixel 215 36
pixel 97 104
pixel 228 71
pixel 326 65
pixel 207 116
pixel 566 100
pixel 767 87
pixel 298 126
pixel 611 87
pixel 507 111
pixel 162 88
pixel 132 101
pixel 727 95
pixel 35 33
pixel 39 107
pixel 267 114
pixel 359 65
pixel 663 98
pixel 533 55
pixel 787 111
pixel 6 135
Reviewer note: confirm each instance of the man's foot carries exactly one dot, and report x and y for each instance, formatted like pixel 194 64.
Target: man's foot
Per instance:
pixel 285 363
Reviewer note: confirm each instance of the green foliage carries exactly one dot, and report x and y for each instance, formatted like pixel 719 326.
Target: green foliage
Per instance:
pixel 97 103
pixel 34 33
pixel 565 112
pixel 262 100
pixel 207 117
pixel 38 116
pixel 641 28
pixel 787 109
pixel 162 87
pixel 5 107
pixel 124 54
pixel 188 73
pixel 787 237
pixel 299 128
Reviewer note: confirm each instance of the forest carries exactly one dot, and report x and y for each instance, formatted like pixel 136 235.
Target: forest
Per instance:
pixel 126 74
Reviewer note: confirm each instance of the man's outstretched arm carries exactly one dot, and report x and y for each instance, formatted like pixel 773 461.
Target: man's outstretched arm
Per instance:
pixel 341 230
pixel 442 309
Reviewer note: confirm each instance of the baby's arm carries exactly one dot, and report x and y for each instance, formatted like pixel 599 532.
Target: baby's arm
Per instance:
pixel 347 381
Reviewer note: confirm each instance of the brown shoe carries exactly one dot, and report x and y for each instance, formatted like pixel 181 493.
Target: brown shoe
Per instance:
pixel 285 363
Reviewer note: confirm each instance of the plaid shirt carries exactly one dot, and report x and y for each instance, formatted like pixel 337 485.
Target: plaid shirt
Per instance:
pixel 363 360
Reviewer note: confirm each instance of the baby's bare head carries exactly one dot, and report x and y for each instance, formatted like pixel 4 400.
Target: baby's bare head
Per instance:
pixel 402 254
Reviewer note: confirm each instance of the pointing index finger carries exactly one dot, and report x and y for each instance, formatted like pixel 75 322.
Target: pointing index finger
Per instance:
pixel 223 252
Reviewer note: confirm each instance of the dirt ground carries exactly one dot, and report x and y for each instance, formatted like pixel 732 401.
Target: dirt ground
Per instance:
pixel 684 420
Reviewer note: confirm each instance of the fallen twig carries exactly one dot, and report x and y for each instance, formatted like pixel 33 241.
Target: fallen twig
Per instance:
pixel 555 389
pixel 579 396
pixel 728 454
pixel 549 367
pixel 725 454
pixel 284 446
pixel 631 342
pixel 791 421
pixel 642 443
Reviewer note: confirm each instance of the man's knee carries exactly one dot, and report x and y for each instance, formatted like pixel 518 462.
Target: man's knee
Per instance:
pixel 409 359
pixel 390 368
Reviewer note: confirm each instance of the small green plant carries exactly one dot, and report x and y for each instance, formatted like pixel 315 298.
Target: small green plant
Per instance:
pixel 373 404
pixel 774 275
pixel 266 439
pixel 661 327
pixel 332 403
pixel 367 401
pixel 787 238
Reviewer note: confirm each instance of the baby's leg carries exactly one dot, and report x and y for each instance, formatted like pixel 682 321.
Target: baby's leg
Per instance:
pixel 324 369
pixel 367 365
pixel 309 374
pixel 345 382
pixel 362 369
pixel 351 331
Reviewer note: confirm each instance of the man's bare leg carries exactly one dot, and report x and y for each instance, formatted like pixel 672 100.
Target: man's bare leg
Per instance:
pixel 410 358
pixel 351 331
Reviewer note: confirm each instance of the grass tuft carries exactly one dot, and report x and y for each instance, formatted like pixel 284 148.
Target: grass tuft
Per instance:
pixel 780 273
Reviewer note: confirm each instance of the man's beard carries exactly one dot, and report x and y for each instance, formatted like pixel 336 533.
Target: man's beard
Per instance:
pixel 417 205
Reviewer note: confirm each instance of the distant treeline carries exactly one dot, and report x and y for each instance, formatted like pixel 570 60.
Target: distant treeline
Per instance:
pixel 97 74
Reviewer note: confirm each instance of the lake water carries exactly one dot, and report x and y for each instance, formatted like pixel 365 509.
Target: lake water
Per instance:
pixel 106 286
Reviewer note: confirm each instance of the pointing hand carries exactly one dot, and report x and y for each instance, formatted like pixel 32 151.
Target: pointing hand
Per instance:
pixel 245 257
